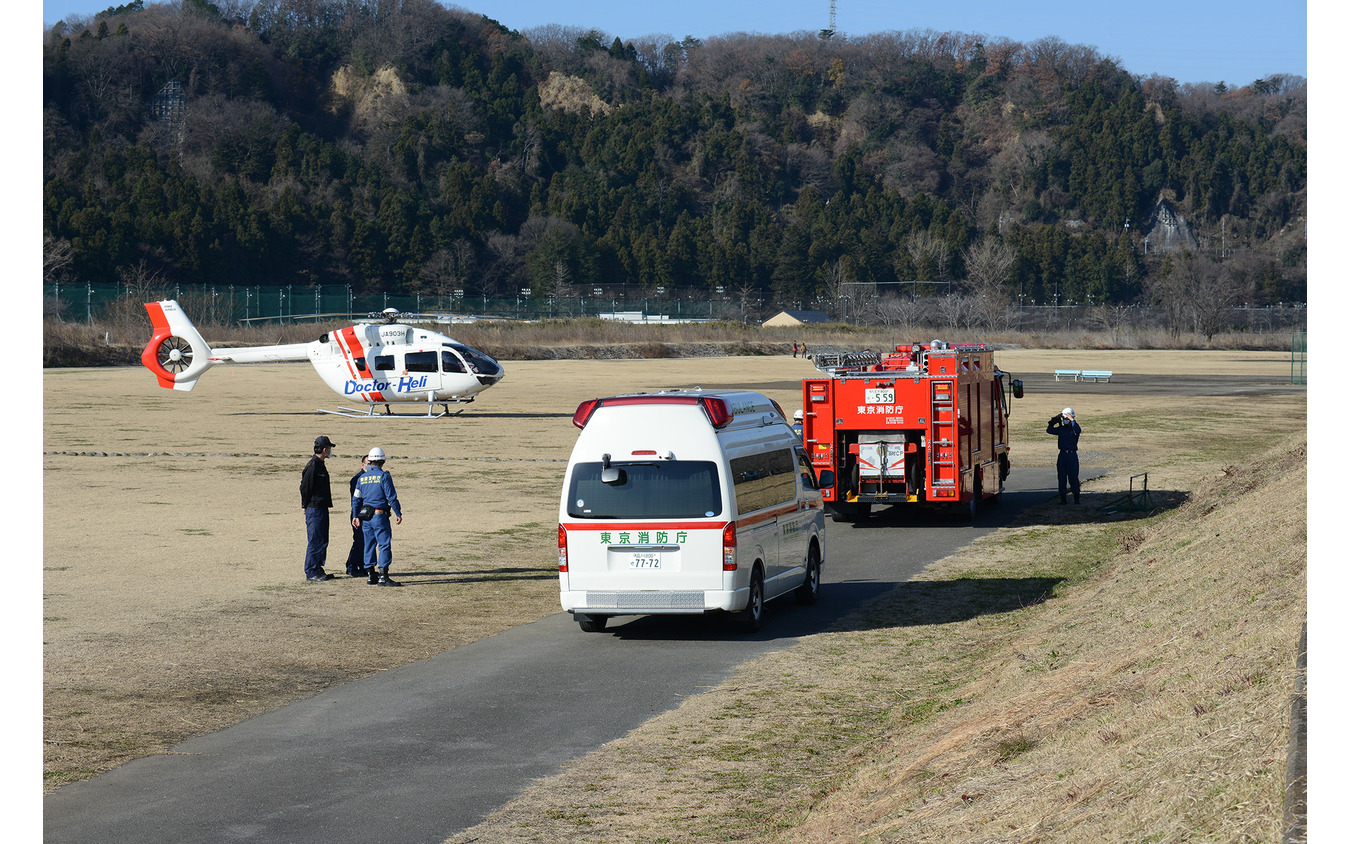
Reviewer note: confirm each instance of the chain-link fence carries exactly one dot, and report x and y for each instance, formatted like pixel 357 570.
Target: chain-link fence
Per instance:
pixel 1298 357
pixel 236 304
pixel 231 304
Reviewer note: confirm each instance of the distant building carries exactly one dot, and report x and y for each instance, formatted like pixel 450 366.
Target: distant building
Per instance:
pixel 788 319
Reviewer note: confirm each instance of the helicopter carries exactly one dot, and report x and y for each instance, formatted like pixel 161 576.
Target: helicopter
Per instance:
pixel 375 363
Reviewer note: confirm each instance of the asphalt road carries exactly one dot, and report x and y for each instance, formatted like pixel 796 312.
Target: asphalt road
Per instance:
pixel 418 753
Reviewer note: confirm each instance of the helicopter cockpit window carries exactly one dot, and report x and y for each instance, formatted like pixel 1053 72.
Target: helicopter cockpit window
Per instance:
pixel 450 363
pixel 384 363
pixel 420 362
pixel 478 362
pixel 360 364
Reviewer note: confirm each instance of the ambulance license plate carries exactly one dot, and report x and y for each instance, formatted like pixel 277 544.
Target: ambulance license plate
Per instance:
pixel 645 561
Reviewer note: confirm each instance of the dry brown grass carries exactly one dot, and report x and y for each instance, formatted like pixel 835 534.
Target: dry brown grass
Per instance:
pixel 174 605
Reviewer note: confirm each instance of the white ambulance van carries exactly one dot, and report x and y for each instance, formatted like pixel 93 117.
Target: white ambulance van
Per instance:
pixel 685 502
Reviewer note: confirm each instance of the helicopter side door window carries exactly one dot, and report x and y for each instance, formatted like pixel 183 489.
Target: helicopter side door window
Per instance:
pixel 420 362
pixel 360 364
pixel 384 363
pixel 450 363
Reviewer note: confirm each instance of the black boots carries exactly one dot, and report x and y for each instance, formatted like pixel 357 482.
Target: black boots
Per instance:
pixel 379 576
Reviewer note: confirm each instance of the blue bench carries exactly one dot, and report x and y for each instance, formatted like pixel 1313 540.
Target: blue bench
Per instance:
pixel 1071 374
pixel 1095 375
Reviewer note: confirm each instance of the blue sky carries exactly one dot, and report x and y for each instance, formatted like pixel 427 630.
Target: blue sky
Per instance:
pixel 1235 41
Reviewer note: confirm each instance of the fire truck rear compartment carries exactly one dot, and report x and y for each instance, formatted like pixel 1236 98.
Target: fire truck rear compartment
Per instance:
pixel 882 464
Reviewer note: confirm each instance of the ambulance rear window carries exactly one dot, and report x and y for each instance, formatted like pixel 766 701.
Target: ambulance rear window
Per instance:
pixel 665 489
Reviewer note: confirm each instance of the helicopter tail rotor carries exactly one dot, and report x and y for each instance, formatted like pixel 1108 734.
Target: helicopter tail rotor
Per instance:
pixel 176 353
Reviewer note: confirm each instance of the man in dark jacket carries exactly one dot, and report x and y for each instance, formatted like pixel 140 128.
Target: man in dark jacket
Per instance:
pixel 356 558
pixel 1066 427
pixel 316 497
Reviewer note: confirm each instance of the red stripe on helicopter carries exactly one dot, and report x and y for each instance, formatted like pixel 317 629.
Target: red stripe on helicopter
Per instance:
pixel 150 356
pixel 351 347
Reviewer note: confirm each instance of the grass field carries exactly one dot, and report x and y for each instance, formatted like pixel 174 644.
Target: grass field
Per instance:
pixel 174 605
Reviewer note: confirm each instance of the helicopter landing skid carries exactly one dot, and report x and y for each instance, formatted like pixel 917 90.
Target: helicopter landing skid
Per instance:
pixel 369 411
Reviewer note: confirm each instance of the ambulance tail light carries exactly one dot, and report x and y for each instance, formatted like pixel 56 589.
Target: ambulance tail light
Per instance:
pixel 562 548
pixel 729 547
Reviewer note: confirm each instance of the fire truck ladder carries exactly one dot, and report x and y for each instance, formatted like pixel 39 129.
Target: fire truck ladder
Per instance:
pixel 842 363
pixel 942 438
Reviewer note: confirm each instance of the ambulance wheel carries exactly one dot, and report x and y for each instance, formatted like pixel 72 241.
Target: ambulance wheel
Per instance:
pixel 592 623
pixel 809 592
pixel 751 619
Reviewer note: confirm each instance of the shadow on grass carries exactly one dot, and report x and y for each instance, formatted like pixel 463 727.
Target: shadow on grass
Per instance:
pixel 1025 509
pixel 1099 508
pixel 501 575
pixel 926 602
pixel 908 604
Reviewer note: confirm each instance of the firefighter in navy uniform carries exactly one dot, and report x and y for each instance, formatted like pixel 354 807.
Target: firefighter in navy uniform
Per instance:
pixel 1065 426
pixel 316 497
pixel 375 489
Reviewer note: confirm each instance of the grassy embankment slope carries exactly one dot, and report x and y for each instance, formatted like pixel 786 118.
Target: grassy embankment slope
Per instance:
pixel 1073 678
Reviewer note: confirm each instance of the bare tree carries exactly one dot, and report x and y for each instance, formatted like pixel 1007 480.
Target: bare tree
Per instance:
pixel 957 311
pixel 903 312
pixel 1214 290
pixel 1168 291
pixel 989 265
pixel 57 256
pixel 931 256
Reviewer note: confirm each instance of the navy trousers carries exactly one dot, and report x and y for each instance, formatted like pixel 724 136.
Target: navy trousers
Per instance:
pixel 316 531
pixel 1067 467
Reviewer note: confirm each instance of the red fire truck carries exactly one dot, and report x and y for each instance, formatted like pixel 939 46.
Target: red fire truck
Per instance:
pixel 925 424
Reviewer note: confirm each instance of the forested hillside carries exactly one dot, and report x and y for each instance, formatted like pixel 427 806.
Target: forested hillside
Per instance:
pixel 400 146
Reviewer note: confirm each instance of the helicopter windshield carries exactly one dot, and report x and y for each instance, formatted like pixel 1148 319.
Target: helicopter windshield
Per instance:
pixel 476 360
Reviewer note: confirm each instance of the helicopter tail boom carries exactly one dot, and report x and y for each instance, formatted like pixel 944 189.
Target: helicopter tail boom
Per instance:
pixel 178 355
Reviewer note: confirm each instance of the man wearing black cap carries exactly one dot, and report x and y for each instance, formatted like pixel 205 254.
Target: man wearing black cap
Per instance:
pixel 316 497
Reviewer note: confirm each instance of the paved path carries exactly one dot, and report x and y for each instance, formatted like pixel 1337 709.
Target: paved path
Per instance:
pixel 442 742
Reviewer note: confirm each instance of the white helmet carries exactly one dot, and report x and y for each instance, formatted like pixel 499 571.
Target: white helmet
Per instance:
pixel 797 414
pixel 1068 411
pixel 376 454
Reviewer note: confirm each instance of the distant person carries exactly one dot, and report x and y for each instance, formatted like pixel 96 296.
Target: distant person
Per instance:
pixel 794 348
pixel 1065 426
pixel 797 423
pixel 375 487
pixel 356 557
pixel 316 497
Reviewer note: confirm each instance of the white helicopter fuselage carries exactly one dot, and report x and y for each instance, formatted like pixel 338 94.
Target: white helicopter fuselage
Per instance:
pixel 379 364
pixel 373 363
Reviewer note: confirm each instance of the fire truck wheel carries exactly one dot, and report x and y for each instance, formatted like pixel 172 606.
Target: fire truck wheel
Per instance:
pixel 751 619
pixel 592 623
pixel 809 592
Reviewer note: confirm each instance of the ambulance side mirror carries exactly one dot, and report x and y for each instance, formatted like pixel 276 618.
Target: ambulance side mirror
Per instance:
pixel 825 479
